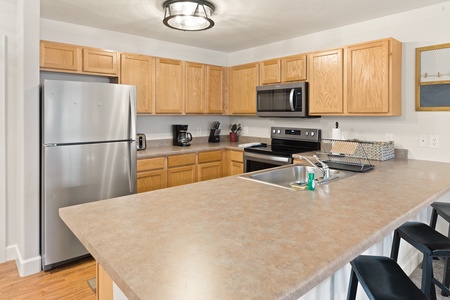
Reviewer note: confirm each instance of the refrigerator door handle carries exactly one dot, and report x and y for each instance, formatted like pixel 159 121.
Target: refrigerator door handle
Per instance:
pixel 132 110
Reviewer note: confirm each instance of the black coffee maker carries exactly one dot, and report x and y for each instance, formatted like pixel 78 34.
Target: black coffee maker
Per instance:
pixel 181 137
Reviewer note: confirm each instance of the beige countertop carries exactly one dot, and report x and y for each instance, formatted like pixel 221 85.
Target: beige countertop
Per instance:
pixel 233 238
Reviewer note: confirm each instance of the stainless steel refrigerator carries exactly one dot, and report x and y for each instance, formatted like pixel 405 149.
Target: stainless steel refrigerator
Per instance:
pixel 88 153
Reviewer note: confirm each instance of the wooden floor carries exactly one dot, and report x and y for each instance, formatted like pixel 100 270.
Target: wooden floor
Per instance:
pixel 65 282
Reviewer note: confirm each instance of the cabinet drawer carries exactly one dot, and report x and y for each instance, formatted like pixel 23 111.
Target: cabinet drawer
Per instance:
pixel 181 160
pixel 209 156
pixel 237 156
pixel 150 164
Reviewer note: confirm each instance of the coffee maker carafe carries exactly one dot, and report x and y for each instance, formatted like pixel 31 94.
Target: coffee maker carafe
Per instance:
pixel 181 137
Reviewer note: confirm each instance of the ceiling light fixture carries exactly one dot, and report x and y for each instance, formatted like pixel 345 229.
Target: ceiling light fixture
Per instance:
pixel 194 15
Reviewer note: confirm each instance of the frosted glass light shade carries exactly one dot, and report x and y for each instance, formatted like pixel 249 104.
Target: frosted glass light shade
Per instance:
pixel 188 15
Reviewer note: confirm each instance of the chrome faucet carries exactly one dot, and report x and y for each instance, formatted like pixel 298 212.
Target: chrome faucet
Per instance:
pixel 324 167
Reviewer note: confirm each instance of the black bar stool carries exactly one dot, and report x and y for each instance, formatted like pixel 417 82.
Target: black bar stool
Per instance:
pixel 431 243
pixel 442 209
pixel 381 278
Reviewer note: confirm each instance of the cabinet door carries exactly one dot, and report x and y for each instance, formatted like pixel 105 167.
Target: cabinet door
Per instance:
pixel 57 56
pixel 243 82
pixel 210 165
pixel 152 180
pixel 139 70
pixel 235 162
pixel 293 68
pixel 210 170
pixel 151 174
pixel 169 86
pixel 214 90
pixel 368 78
pixel 181 175
pixel 100 61
pixel 270 71
pixel 194 95
pixel 326 82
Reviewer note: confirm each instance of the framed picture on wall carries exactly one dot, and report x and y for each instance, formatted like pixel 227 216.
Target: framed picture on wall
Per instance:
pixel 433 78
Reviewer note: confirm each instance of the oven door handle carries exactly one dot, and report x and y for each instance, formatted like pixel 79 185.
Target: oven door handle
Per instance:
pixel 291 99
pixel 267 158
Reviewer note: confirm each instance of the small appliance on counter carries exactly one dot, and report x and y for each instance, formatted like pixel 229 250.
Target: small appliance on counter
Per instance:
pixel 214 135
pixel 181 137
pixel 141 141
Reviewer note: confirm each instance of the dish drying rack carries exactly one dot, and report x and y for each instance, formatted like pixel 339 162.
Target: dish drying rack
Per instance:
pixel 348 155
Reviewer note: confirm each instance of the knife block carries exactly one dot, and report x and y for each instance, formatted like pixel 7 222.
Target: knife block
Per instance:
pixel 213 138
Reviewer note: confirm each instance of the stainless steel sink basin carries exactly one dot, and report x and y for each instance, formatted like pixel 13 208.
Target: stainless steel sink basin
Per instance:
pixel 294 176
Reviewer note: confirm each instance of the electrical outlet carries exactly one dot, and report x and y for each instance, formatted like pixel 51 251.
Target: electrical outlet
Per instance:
pixel 388 137
pixel 423 140
pixel 199 130
pixel 434 141
pixel 245 129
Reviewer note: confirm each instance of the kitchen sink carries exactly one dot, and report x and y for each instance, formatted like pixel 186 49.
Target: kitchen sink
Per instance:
pixel 294 176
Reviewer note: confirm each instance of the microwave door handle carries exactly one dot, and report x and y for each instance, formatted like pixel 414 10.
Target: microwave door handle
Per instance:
pixel 291 99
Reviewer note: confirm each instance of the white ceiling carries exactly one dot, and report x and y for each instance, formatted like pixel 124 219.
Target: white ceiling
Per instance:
pixel 240 24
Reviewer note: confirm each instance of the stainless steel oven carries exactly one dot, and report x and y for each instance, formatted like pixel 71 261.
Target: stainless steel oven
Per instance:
pixel 285 141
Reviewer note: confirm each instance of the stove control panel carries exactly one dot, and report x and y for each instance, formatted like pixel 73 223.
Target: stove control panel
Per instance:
pixel 298 134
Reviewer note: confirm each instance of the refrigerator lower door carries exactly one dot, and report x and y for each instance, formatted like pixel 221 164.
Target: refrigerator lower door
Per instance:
pixel 77 174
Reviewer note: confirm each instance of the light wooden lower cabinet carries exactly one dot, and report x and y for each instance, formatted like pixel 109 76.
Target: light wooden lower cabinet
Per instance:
pixel 235 162
pixel 168 171
pixel 181 169
pixel 104 284
pixel 151 174
pixel 210 165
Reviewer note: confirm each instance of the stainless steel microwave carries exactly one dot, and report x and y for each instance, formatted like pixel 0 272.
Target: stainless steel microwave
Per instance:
pixel 287 100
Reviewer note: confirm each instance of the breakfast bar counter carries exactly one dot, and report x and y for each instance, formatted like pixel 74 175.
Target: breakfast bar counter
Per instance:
pixel 233 238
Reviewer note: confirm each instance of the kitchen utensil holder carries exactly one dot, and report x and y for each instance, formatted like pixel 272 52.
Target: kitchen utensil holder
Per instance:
pixel 347 155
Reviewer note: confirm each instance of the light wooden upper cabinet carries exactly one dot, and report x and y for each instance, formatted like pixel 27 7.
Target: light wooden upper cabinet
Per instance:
pixel 293 68
pixel 61 57
pixel 285 69
pixel 139 70
pixel 373 78
pixel 214 89
pixel 270 71
pixel 169 86
pixel 78 59
pixel 371 84
pixel 326 85
pixel 194 83
pixel 100 61
pixel 243 82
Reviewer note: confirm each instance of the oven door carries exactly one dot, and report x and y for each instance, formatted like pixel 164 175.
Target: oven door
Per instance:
pixel 256 161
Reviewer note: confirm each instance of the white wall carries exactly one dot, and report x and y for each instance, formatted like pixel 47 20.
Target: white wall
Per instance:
pixel 416 28
pixel 8 29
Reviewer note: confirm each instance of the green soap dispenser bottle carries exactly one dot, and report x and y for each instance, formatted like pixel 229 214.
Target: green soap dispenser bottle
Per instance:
pixel 311 181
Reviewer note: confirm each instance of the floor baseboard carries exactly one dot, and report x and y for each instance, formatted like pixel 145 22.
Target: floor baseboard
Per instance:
pixel 24 266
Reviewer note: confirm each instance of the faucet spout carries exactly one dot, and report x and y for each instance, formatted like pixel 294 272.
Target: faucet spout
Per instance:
pixel 325 169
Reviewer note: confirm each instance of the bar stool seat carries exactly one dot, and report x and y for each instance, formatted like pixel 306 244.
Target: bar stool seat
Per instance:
pixel 382 279
pixel 431 243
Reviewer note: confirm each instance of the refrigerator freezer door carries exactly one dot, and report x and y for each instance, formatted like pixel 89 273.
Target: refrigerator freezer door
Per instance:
pixel 77 174
pixel 83 112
